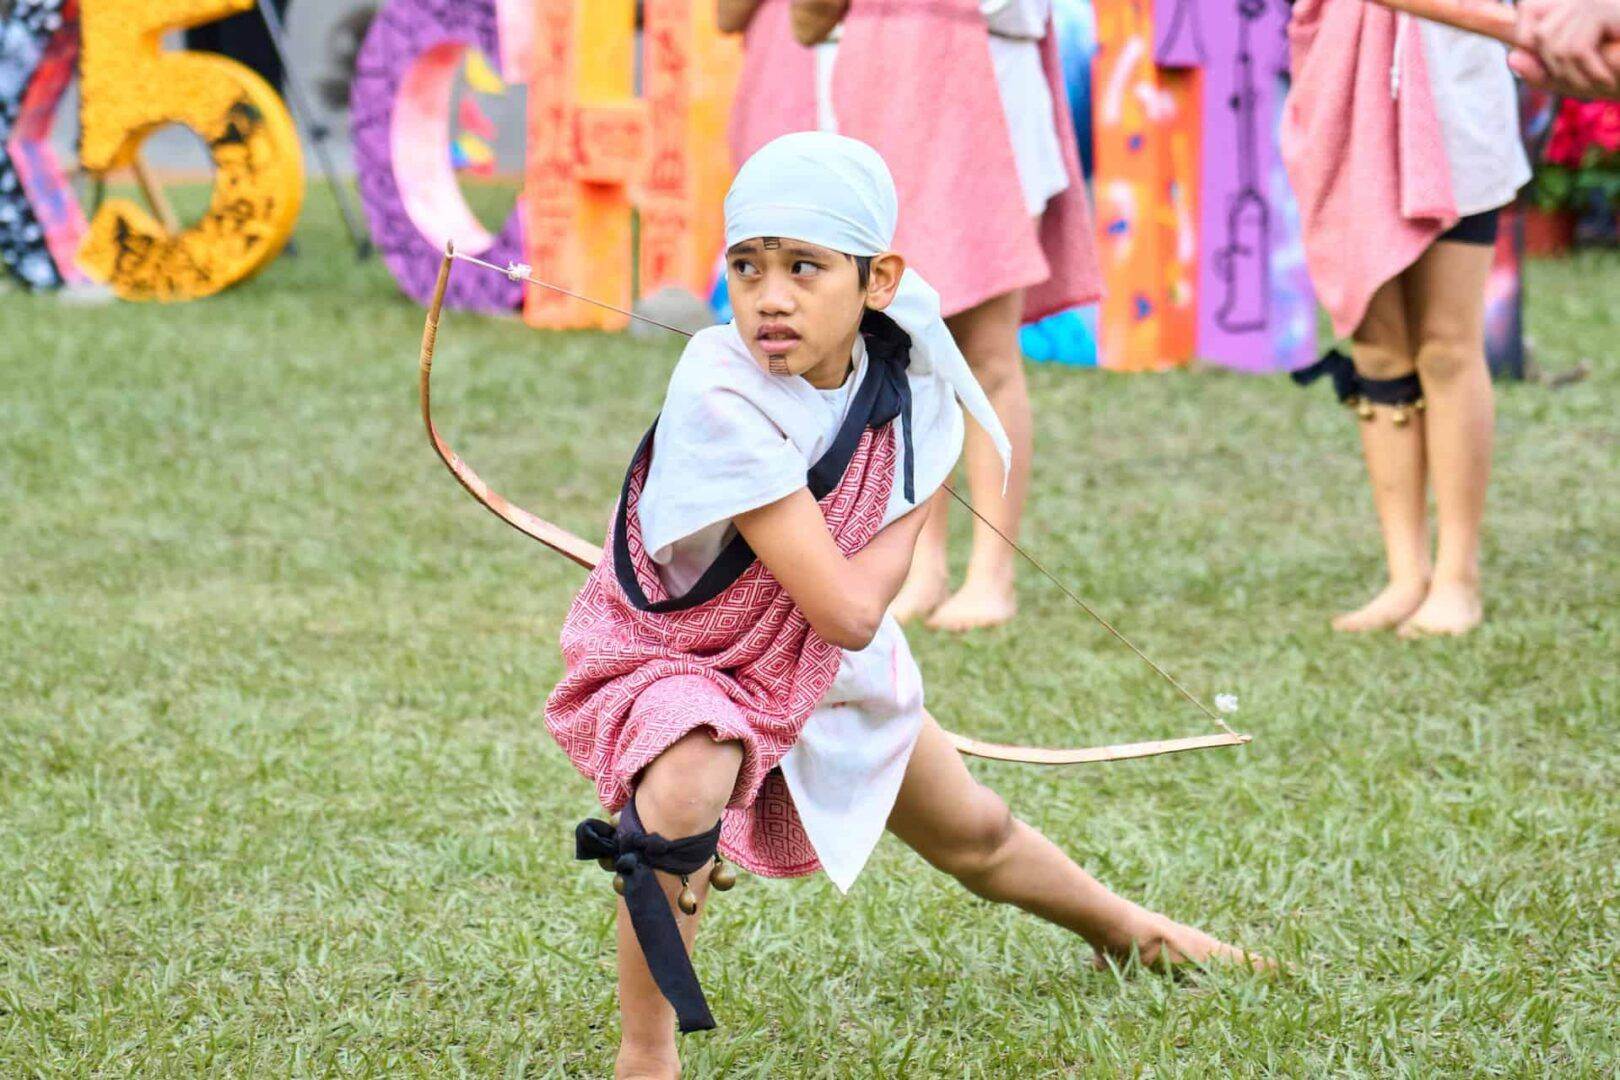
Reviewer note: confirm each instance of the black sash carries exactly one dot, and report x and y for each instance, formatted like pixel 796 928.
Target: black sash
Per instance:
pixel 635 854
pixel 883 396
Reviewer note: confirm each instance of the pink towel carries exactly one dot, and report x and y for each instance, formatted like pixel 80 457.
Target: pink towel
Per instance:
pixel 776 91
pixel 745 665
pixel 1362 142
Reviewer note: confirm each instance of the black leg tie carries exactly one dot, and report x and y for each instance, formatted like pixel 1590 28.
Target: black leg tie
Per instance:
pixel 634 854
pixel 1353 388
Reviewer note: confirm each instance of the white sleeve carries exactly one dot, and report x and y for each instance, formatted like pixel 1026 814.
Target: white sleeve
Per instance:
pixel 716 454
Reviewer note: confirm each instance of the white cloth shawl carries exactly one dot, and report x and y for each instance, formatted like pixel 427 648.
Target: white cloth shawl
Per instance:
pixel 733 437
pixel 836 191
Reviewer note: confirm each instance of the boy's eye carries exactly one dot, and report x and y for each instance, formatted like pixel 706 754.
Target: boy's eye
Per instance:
pixel 743 268
pixel 802 267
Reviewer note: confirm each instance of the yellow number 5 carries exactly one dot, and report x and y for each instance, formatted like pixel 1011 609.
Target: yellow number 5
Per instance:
pixel 130 87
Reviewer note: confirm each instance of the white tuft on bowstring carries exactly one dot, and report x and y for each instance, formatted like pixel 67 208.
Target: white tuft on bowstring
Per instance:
pixel 518 271
pixel 1226 703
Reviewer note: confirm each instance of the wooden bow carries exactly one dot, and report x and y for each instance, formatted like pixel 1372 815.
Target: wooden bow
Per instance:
pixel 588 555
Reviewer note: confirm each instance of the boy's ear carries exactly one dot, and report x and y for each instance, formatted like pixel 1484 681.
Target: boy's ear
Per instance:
pixel 887 270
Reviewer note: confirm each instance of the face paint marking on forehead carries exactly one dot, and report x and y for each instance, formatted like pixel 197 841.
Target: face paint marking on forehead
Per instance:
pixel 772 243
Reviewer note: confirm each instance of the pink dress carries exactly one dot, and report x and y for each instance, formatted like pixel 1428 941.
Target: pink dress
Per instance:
pixel 964 221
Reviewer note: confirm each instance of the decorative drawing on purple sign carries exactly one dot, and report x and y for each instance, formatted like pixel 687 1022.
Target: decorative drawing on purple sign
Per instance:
pixel 1181 39
pixel 400 103
pixel 1256 310
pixel 1243 259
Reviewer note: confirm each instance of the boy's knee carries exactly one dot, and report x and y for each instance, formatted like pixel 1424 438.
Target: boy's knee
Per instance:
pixel 976 847
pixel 1442 360
pixel 685 789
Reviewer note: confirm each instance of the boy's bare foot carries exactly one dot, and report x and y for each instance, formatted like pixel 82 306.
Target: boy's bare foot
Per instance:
pixel 1160 942
pixel 976 604
pixel 922 593
pixel 640 1065
pixel 1451 608
pixel 1394 605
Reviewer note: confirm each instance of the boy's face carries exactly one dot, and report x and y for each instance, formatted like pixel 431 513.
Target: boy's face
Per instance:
pixel 798 306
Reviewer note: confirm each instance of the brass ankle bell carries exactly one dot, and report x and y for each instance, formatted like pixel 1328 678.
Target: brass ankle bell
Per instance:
pixel 605 862
pixel 1420 405
pixel 1400 416
pixel 687 899
pixel 1364 409
pixel 722 877
pixel 618 884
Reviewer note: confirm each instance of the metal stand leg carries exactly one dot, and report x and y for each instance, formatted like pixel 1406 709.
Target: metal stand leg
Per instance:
pixel 304 115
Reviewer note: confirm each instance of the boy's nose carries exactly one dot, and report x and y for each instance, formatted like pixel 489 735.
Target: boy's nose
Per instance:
pixel 776 298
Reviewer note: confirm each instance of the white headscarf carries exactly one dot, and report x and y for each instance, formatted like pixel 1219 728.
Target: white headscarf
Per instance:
pixel 836 192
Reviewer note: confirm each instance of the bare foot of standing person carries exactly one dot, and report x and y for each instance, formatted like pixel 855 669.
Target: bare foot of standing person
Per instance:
pixel 988 335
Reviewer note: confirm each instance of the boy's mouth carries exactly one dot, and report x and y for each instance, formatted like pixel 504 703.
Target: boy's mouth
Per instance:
pixel 775 339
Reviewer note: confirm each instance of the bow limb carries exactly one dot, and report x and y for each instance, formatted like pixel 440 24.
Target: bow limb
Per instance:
pixel 557 539
pixel 588 555
pixel 1036 755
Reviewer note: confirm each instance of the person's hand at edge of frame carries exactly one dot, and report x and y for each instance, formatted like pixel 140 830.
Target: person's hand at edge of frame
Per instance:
pixel 1564 47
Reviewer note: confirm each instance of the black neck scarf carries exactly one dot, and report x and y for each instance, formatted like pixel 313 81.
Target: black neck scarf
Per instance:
pixel 883 396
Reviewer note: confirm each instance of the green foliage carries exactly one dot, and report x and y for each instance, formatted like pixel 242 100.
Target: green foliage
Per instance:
pixel 1554 187
pixel 276 798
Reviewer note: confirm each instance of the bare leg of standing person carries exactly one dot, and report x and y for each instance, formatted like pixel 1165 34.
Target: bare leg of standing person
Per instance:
pixel 1382 348
pixel 928 583
pixel 1446 300
pixel 988 335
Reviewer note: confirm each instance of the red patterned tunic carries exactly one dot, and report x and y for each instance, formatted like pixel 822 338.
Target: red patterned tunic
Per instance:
pixel 745 665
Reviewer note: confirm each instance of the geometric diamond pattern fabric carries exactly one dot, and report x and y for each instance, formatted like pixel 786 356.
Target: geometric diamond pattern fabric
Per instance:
pixel 745 665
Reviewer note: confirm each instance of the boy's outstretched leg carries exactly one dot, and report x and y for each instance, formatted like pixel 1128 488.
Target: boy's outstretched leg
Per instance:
pixel 682 793
pixel 963 828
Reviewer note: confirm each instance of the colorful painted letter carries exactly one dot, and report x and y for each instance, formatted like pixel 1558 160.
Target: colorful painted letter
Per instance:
pixel 130 86
pixel 400 115
pixel 1256 310
pixel 40 221
pixel 597 152
pixel 1147 158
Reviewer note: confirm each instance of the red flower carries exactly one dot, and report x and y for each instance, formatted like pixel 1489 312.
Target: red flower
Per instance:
pixel 1566 145
pixel 1603 124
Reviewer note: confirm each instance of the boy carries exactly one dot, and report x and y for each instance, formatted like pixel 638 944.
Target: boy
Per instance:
pixel 731 661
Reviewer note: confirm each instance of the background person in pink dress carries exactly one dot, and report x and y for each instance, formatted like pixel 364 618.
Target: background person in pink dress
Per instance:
pixel 1402 141
pixel 965 101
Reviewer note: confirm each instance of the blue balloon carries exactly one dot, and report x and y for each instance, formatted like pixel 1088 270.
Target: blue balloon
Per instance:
pixel 1069 337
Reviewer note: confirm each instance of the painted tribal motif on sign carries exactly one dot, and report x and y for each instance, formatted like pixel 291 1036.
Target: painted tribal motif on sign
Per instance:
pixel 40 221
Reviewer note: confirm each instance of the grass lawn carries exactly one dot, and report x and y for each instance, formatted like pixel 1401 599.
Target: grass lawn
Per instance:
pixel 275 798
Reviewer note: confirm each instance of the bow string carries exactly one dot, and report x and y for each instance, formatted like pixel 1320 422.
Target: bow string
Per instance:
pixel 587 555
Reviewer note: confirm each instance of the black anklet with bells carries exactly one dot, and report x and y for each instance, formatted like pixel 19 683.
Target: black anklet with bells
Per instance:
pixel 632 854
pixel 1404 395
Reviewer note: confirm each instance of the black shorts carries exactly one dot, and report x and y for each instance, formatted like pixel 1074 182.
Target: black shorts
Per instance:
pixel 1475 229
